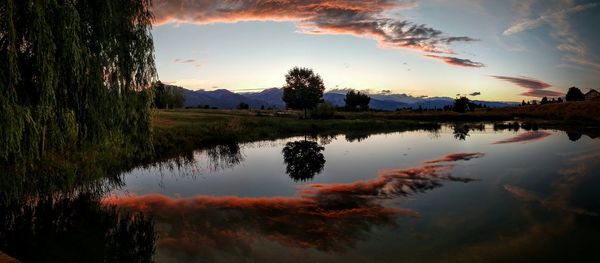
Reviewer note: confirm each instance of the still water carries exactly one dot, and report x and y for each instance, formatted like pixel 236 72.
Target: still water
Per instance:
pixel 461 193
pixel 458 194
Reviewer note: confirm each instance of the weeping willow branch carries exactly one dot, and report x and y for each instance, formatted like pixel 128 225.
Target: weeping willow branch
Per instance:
pixel 74 73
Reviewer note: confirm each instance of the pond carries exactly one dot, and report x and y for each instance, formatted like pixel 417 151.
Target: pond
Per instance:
pixel 461 193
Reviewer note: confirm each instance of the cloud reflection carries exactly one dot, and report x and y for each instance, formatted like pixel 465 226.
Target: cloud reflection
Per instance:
pixel 526 137
pixel 325 217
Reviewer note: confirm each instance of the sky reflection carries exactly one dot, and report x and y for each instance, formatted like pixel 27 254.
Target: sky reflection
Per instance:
pixel 326 217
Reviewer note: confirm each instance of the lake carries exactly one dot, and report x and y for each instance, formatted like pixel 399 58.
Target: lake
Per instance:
pixel 459 194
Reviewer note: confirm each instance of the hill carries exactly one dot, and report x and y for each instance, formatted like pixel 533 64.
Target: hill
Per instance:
pixel 271 98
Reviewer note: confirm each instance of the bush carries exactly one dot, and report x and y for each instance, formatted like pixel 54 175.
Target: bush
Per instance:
pixel 323 111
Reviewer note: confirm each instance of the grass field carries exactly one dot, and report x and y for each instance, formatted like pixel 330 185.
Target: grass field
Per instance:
pixel 188 129
pixel 177 130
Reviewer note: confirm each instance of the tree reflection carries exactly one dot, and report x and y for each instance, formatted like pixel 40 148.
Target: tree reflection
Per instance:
pixel 574 136
pixel 303 159
pixel 333 216
pixel 461 132
pixel 224 156
pixel 357 136
pixel 74 229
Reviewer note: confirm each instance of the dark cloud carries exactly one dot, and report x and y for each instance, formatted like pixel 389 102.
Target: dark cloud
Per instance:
pixel 535 88
pixel 185 61
pixel 526 137
pixel 454 157
pixel 360 18
pixel 476 93
pixel 458 61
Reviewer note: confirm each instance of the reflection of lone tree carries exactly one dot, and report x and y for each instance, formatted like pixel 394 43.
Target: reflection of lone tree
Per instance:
pixel 303 159
pixel 461 131
pixel 574 136
pixel 303 89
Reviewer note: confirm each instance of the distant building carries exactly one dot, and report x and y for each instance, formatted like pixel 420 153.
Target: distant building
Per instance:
pixel 592 95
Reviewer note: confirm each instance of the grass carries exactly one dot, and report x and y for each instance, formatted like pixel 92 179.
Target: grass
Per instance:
pixel 181 130
pixel 177 131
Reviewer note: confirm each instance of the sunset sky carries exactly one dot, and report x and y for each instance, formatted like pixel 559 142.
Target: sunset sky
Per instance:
pixel 506 50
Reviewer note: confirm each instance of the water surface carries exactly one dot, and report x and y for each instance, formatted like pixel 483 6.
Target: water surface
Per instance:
pixel 460 194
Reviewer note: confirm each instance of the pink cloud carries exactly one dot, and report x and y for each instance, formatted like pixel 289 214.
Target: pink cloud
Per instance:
pixel 359 18
pixel 535 88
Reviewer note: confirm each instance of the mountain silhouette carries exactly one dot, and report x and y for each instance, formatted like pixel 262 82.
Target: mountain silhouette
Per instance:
pixel 271 98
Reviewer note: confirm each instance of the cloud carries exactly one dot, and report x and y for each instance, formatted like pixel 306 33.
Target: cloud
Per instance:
pixel 557 15
pixel 476 93
pixel 184 61
pixel 366 18
pixel 535 88
pixel 526 137
pixel 325 217
pixel 458 61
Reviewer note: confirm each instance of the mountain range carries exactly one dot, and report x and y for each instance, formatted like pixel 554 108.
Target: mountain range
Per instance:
pixel 271 98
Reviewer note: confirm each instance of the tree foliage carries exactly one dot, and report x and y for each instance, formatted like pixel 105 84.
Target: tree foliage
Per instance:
pixel 303 89
pixel 356 100
pixel 73 72
pixel 167 96
pixel 575 94
pixel 461 104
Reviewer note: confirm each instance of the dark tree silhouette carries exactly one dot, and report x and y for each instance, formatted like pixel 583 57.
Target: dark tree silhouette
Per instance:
pixel 303 89
pixel 574 136
pixel 243 106
pixel 461 131
pixel 303 159
pixel 356 100
pixel 167 96
pixel 575 94
pixel 544 100
pixel 461 104
pixel 73 73
pixel 74 229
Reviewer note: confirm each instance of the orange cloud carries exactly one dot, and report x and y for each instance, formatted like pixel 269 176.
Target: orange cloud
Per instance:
pixel 359 18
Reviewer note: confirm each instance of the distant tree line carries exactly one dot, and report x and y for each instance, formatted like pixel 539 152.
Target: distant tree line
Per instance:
pixel 73 73
pixel 573 94
pixel 167 96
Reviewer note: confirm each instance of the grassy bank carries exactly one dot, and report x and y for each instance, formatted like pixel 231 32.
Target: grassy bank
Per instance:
pixel 183 130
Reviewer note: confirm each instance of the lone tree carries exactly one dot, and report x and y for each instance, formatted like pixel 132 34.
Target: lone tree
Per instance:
pixel 303 89
pixel 356 100
pixel 575 94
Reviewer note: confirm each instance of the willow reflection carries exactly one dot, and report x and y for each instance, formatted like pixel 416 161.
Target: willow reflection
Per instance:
pixel 62 228
pixel 303 159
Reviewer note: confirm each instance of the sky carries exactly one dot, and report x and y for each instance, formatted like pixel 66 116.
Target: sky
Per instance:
pixel 508 50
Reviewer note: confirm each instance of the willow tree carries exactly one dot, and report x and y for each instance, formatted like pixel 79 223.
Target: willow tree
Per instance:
pixel 74 73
